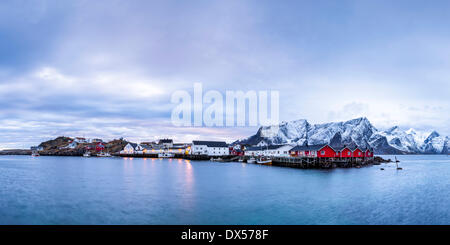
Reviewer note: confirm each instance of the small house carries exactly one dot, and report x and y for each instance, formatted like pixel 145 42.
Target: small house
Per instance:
pixel 323 150
pixel 166 142
pixel 357 152
pixel 210 148
pixel 130 148
pixel 345 152
pixel 80 140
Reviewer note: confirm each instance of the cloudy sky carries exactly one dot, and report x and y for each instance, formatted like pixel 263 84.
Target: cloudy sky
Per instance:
pixel 108 68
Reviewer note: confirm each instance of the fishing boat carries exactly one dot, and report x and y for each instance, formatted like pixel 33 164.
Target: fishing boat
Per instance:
pixel 35 154
pixel 240 159
pixel 165 155
pixel 264 161
pixel 219 159
pixel 103 154
pixel 87 154
pixel 251 160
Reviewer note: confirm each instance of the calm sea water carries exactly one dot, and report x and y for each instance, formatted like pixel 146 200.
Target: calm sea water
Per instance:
pixel 75 190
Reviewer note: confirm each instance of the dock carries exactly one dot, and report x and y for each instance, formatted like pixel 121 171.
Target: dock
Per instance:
pixel 319 162
pixel 291 162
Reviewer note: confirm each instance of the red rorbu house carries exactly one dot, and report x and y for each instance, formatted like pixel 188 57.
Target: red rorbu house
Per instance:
pixel 368 152
pixel 357 152
pixel 345 152
pixel 100 146
pixel 313 151
pixel 236 152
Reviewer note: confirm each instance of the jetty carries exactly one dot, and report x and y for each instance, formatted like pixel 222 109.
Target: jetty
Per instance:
pixel 292 162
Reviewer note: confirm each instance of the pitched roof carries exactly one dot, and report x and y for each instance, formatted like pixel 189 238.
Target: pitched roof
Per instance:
pixel 355 147
pixel 253 148
pixel 341 148
pixel 265 148
pixel 210 143
pixel 162 141
pixel 147 147
pixel 308 147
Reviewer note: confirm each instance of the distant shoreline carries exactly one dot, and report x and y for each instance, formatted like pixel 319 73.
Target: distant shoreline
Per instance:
pixel 21 152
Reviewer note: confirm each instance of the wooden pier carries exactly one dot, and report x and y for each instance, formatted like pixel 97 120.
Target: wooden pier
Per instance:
pixel 316 162
pixel 292 162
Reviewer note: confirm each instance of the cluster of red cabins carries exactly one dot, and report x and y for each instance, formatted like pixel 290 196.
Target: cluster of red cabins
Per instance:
pixel 99 147
pixel 319 151
pixel 326 151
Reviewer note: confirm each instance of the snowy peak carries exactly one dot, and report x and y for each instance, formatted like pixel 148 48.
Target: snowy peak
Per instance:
pixel 357 131
pixel 414 141
pixel 433 135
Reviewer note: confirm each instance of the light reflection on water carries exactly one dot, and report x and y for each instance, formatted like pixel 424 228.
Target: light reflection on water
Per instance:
pixel 71 190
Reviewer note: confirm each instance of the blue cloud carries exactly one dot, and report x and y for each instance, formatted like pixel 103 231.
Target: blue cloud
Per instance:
pixel 108 68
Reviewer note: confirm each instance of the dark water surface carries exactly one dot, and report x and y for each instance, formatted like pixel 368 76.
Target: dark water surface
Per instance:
pixel 75 190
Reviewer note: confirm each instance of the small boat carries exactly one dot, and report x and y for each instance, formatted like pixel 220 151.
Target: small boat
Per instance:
pixel 216 159
pixel 87 154
pixel 396 162
pixel 240 159
pixel 165 155
pixel 381 168
pixel 35 154
pixel 104 154
pixel 264 161
pixel 251 160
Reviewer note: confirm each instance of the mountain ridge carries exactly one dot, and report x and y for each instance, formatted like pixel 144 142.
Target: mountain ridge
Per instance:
pixel 358 131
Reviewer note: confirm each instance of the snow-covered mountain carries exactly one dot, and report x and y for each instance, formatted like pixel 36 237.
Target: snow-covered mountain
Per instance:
pixel 358 131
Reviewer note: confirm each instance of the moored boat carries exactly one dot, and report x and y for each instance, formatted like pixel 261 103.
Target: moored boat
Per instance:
pixel 166 155
pixel 87 154
pixel 251 160
pixel 264 161
pixel 104 154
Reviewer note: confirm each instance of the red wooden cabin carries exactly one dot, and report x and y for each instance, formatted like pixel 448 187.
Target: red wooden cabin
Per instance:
pixel 313 151
pixel 357 152
pixel 368 153
pixel 99 147
pixel 326 151
pixel 345 153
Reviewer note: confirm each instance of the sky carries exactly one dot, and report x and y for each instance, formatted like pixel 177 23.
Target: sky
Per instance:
pixel 108 68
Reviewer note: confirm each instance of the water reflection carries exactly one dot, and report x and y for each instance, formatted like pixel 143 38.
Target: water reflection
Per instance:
pixel 189 192
pixel 68 190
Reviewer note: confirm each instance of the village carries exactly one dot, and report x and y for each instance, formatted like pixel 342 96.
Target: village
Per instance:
pixel 297 156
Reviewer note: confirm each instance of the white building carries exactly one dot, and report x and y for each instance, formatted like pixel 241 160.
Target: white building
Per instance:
pixel 271 150
pixel 72 145
pixel 253 151
pixel 95 140
pixel 179 149
pixel 210 148
pixel 80 140
pixel 130 148
pixel 277 150
pixel 166 143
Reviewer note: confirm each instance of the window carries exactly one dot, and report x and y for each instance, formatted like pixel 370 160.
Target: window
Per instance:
pixel 322 152
pixel 359 153
pixel 348 153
